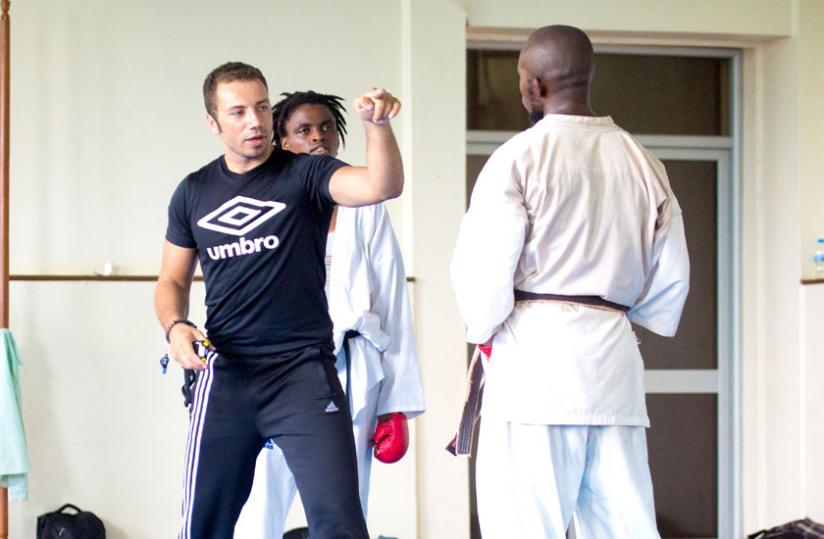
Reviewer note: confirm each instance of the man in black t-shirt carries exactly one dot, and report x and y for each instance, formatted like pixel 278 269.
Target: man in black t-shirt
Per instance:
pixel 256 219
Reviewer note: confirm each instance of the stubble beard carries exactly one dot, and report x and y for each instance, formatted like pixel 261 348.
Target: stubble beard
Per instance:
pixel 535 116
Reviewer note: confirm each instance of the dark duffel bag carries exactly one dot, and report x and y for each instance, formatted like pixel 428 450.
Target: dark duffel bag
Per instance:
pixel 62 525
pixel 797 529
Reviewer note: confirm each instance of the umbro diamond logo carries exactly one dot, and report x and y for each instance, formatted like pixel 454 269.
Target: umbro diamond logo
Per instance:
pixel 330 408
pixel 240 215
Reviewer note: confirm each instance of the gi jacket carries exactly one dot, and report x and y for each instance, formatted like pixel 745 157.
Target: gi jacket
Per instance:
pixel 368 293
pixel 571 206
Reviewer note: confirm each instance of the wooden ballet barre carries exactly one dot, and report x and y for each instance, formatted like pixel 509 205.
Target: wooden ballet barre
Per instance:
pixel 112 278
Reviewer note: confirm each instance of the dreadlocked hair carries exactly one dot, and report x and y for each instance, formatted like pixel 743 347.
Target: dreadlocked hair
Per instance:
pixel 283 109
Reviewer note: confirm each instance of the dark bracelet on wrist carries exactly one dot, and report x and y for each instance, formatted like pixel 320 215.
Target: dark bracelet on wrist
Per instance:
pixel 176 322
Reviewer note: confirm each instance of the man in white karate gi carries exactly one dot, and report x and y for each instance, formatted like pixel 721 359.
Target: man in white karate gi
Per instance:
pixel 370 309
pixel 572 233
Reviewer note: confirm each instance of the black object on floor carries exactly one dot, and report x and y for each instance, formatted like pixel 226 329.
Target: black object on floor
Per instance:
pixel 797 529
pixel 62 525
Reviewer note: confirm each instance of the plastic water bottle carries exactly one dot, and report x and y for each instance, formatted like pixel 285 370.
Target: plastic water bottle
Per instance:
pixel 818 258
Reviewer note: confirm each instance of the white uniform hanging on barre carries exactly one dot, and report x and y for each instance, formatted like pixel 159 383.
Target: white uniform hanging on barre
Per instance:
pixel 367 292
pixel 572 206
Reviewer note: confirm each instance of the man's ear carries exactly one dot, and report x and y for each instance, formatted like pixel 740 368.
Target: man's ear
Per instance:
pixel 284 143
pixel 213 124
pixel 541 88
pixel 533 96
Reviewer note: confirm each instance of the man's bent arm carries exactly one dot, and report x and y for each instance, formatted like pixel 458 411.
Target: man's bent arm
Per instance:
pixel 382 177
pixel 172 302
pixel 489 246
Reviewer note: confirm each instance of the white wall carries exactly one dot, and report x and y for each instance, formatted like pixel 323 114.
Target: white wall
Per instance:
pixel 435 146
pixel 107 112
pixel 698 17
pixel 107 117
pixel 105 430
pixel 811 138
pixel 771 310
pixel 812 405
pixel 782 193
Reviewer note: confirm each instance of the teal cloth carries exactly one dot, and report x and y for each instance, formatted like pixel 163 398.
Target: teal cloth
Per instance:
pixel 14 460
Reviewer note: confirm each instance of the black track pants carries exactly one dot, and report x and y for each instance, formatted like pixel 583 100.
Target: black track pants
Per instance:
pixel 298 402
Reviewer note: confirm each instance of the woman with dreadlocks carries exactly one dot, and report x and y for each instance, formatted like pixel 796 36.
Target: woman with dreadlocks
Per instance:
pixel 368 302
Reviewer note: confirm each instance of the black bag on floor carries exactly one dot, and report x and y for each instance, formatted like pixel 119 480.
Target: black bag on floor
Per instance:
pixel 797 529
pixel 62 525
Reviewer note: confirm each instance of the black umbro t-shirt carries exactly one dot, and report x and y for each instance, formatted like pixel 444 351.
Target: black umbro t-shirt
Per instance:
pixel 260 238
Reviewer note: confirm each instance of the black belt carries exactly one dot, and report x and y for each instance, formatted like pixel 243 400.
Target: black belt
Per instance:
pixel 347 354
pixel 592 301
pixel 462 443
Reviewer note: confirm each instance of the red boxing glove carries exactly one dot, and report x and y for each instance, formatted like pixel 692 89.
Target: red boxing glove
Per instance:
pixel 391 438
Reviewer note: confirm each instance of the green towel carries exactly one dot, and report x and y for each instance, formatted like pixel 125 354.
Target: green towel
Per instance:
pixel 14 461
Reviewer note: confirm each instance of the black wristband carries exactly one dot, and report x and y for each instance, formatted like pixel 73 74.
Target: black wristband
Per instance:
pixel 176 322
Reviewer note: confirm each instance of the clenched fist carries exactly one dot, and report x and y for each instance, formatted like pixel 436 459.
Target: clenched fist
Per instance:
pixel 377 106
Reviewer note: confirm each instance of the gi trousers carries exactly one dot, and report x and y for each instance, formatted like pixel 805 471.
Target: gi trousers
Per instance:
pixel 298 402
pixel 534 479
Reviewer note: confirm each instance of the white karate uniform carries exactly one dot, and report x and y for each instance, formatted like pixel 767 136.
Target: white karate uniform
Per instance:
pixel 572 206
pixel 367 293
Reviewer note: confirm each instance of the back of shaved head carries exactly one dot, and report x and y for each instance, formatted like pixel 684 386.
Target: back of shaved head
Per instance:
pixel 560 61
pixel 561 55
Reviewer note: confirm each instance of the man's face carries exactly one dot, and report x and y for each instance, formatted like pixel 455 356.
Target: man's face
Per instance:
pixel 311 129
pixel 244 119
pixel 530 94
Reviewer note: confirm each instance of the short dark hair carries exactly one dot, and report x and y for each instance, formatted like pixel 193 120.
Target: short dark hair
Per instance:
pixel 283 109
pixel 228 72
